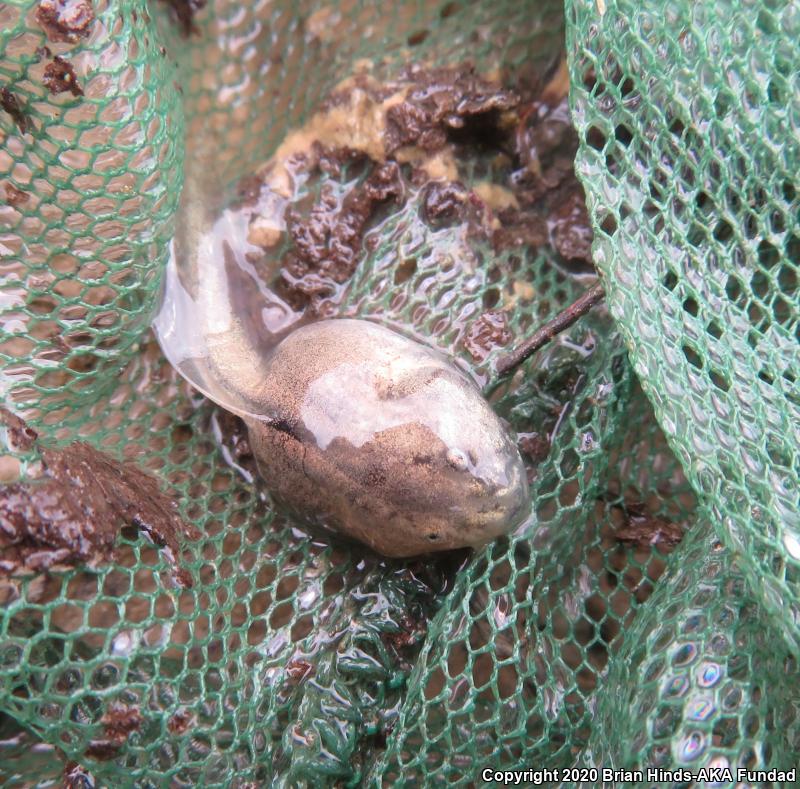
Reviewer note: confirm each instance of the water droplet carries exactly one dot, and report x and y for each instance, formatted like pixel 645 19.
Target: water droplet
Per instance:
pixel 693 745
pixel 677 686
pixel 123 643
pixel 307 597
pixel 708 675
pixel 700 709
pixel 684 655
pixel 792 545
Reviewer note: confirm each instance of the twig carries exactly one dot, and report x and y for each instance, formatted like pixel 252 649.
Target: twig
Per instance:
pixel 545 333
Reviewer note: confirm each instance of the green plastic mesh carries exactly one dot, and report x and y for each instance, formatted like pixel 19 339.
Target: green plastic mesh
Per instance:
pixel 574 642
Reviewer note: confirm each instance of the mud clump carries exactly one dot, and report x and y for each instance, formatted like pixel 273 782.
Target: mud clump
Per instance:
pixel 570 228
pixel 59 77
pixel 442 100
pixel 65 20
pixel 469 150
pixel 72 511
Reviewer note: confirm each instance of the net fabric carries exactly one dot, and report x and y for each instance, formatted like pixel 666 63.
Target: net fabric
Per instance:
pixel 293 661
pixel 688 121
pixel 90 188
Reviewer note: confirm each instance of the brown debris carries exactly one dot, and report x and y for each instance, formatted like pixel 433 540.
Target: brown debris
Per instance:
pixel 183 13
pixel 14 196
pixel 19 436
pixel 326 244
pixel 180 721
pixel 486 333
pixel 10 103
pixel 570 228
pixel 77 777
pixel 442 100
pixel 59 77
pixel 233 433
pixel 72 513
pixel 297 670
pixel 536 447
pixel 410 137
pixel 119 722
pixel 644 530
pixel 444 202
pixel 65 20
pixel 412 632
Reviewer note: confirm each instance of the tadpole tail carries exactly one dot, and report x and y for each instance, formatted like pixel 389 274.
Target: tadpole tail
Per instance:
pixel 209 323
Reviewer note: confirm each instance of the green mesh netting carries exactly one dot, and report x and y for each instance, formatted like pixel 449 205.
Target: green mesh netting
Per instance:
pixel 574 642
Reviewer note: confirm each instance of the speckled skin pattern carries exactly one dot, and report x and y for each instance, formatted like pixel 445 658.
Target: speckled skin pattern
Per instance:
pixel 378 437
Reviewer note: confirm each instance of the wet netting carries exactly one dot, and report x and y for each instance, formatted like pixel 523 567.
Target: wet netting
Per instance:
pixel 647 614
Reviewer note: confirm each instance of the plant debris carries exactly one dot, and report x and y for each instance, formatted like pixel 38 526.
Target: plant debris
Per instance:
pixel 534 446
pixel 71 513
pixel 65 20
pixel 10 103
pixel 59 77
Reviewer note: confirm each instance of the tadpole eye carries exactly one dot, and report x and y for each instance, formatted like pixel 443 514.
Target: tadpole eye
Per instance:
pixel 457 459
pixel 433 537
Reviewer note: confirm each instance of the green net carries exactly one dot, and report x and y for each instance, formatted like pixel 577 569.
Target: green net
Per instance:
pixel 595 635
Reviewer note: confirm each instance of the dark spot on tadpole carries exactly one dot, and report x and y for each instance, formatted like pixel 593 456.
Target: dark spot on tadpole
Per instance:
pixel 417 38
pixel 375 477
pixel 284 426
pixel 65 20
pixel 59 77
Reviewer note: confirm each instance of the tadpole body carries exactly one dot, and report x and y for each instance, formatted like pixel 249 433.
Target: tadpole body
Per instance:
pixel 380 438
